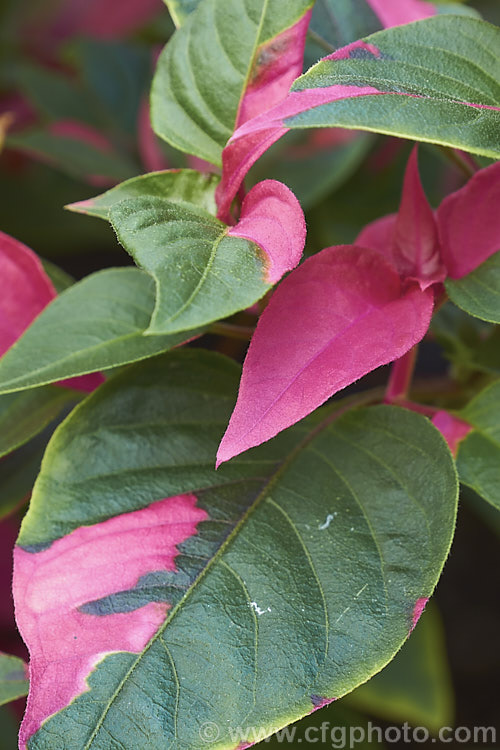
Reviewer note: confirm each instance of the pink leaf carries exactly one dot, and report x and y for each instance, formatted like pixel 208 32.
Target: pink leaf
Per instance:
pixel 469 231
pixel 52 587
pixel 379 235
pixel 25 290
pixel 277 64
pixel 340 315
pixel 397 12
pixel 152 156
pixel 253 138
pixel 453 429
pixel 271 217
pixel 410 238
pixel 102 19
pixel 416 245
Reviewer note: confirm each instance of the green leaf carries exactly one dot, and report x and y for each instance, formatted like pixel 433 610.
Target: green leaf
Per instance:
pixel 73 156
pixel 180 9
pixel 478 293
pixel 438 78
pixel 312 173
pixel 201 274
pixel 335 23
pixel 55 95
pixel 300 584
pixel 205 69
pixel 60 279
pixel 9 727
pixel 13 680
pixel 478 460
pixel 457 8
pixel 416 686
pixel 182 186
pixel 469 343
pixel 18 472
pixel 117 77
pixel 24 415
pixel 94 325
pixel 333 727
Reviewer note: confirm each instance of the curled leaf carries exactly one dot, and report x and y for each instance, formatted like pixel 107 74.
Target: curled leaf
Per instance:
pixel 271 217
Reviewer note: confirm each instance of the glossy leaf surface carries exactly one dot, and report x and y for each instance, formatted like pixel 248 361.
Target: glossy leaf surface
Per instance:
pixel 279 595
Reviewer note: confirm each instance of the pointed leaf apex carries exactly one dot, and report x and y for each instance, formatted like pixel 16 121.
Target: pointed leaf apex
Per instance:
pixel 416 246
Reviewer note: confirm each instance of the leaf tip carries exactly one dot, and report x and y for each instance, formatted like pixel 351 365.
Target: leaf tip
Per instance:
pixel 418 609
pixel 80 207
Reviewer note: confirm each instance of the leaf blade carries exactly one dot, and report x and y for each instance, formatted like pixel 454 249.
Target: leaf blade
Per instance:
pixel 246 590
pixel 13 679
pixel 198 113
pixel 349 298
pixel 394 82
pixel 204 270
pixel 94 337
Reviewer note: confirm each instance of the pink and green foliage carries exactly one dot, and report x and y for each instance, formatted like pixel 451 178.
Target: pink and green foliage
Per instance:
pixel 25 290
pixel 213 551
pixel 59 618
pixel 363 306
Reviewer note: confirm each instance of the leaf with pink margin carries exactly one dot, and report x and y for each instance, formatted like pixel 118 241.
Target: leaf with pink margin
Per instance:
pixel 243 584
pixel 469 229
pixel 278 63
pixel 409 239
pixel 256 136
pixel 203 269
pixel 67 641
pixel 343 313
pixel 226 63
pixel 344 90
pixel 271 217
pixel 25 290
pixel 396 12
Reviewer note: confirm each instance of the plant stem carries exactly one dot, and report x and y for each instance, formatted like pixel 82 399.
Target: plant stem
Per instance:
pixel 401 375
pixel 467 166
pixel 243 333
pixel 314 37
